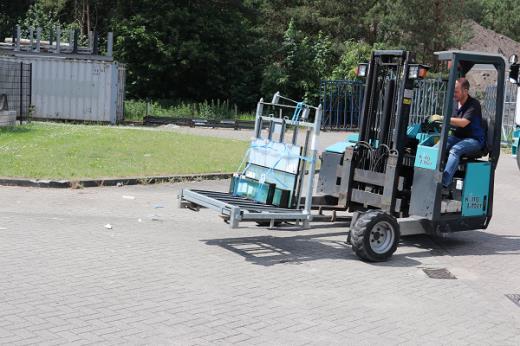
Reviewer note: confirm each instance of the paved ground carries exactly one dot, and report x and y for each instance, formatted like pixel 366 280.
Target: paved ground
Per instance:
pixel 167 276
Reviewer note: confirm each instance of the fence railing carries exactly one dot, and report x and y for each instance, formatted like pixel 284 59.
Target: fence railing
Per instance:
pixel 428 99
pixel 15 83
pixel 341 101
pixel 508 118
pixel 508 114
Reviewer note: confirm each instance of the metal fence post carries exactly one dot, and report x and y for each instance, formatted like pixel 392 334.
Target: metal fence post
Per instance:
pixel 18 38
pixel 21 93
pixel 38 39
pixel 58 40
pixel 30 90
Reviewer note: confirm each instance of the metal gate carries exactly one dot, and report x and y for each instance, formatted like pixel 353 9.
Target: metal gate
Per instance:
pixel 15 83
pixel 341 101
pixel 508 115
pixel 428 99
pixel 508 119
pixel 120 108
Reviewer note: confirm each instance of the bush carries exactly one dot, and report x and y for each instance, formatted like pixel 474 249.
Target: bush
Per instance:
pixel 212 110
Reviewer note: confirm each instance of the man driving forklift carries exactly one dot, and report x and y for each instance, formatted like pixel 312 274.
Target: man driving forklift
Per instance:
pixel 469 136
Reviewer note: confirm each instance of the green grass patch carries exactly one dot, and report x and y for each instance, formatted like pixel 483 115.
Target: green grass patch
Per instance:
pixel 64 151
pixel 135 110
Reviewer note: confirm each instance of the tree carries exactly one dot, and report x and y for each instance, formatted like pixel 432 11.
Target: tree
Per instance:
pixel 421 27
pixel 10 14
pixel 238 49
pixel 298 65
pixel 40 16
pixel 502 16
pixel 197 50
pixel 355 53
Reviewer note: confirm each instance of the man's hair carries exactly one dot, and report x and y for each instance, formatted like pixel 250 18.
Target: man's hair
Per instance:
pixel 464 83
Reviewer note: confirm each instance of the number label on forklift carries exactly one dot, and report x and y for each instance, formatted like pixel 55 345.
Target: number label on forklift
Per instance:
pixel 473 202
pixel 425 160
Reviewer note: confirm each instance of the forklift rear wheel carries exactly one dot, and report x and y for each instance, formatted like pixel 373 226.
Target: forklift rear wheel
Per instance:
pixel 375 236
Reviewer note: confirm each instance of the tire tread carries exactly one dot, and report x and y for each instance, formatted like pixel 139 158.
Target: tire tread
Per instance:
pixel 360 230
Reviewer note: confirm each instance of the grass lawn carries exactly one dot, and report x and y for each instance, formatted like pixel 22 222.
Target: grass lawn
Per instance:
pixel 64 151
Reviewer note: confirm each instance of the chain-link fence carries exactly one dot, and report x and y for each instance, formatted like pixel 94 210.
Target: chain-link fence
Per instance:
pixel 15 83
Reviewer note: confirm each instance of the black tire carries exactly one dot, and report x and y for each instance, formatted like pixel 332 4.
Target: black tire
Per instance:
pixel 375 236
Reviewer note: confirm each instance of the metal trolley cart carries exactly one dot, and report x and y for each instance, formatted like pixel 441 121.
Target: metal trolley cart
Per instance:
pixel 276 184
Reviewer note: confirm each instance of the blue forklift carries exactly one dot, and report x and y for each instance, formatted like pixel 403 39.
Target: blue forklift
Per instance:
pixel 389 175
pixel 386 178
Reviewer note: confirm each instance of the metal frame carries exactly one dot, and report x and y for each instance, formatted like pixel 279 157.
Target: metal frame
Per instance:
pixel 236 209
pixel 385 122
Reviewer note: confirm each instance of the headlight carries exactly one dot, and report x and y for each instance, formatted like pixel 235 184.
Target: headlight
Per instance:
pixel 417 71
pixel 362 70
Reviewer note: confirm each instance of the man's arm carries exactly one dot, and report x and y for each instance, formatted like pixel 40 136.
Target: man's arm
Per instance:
pixel 459 122
pixel 466 118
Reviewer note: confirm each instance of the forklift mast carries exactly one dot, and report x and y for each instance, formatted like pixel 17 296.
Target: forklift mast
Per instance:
pixel 372 167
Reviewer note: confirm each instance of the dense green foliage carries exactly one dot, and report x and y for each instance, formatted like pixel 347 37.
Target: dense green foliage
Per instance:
pixel 10 14
pixel 238 50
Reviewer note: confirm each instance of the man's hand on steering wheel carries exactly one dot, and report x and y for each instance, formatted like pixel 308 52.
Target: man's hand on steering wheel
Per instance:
pixel 436 118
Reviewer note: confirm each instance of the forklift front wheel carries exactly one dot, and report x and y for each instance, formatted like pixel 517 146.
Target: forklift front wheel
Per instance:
pixel 375 236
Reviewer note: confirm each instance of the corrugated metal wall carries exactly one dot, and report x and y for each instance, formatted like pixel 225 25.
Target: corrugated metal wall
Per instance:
pixel 73 89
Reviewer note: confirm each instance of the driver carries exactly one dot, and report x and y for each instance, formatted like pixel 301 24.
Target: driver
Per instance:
pixel 468 137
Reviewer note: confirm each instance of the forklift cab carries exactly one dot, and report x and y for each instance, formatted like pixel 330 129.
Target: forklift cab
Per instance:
pixel 471 204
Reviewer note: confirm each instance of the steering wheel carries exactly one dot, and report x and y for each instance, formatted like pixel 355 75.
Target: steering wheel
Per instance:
pixel 427 126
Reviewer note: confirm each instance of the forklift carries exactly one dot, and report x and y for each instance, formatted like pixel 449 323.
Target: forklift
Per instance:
pixel 387 177
pixel 390 176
